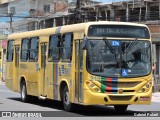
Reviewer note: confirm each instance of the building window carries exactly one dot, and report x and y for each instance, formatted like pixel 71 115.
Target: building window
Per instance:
pixel 10 50
pixel 24 49
pixel 67 47
pixel 46 8
pixel 54 47
pixel 12 10
pixel 33 51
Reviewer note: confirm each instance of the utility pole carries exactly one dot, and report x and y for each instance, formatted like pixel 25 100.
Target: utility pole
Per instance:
pixel 78 4
pixel 77 13
pixel 10 14
pixel 11 20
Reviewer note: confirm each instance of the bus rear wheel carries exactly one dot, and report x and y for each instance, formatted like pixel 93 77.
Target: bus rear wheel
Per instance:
pixel 66 99
pixel 24 96
pixel 120 108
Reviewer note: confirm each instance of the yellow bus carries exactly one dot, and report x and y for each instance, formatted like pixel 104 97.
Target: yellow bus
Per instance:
pixel 93 63
pixel 1 51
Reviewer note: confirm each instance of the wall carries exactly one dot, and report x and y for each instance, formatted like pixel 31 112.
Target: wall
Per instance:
pixel 60 6
pixel 5 1
pixel 4 8
pixel 22 7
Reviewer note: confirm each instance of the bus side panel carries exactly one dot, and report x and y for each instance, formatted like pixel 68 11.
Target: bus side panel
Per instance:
pixel 16 60
pixel 32 78
pixel 9 75
pixel 65 74
pixel 55 73
pixel 24 72
pixel 49 80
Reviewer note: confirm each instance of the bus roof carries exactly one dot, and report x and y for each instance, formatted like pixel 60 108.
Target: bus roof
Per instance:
pixel 67 28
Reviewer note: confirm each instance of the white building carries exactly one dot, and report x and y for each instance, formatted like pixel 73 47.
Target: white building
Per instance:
pixel 34 13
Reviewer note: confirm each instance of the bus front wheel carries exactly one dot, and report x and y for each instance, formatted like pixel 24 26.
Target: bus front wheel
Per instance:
pixel 66 99
pixel 120 108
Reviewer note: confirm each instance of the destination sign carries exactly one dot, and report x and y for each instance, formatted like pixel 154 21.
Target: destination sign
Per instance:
pixel 118 31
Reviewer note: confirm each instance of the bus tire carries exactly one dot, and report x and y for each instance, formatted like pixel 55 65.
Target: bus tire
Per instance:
pixel 24 96
pixel 120 108
pixel 66 100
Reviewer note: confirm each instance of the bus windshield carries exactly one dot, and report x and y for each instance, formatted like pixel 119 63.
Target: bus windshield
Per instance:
pixel 119 58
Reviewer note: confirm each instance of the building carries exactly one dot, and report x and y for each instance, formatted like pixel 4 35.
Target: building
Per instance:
pixel 26 15
pixel 5 1
pixel 3 46
pixel 32 14
pixel 35 13
pixel 39 14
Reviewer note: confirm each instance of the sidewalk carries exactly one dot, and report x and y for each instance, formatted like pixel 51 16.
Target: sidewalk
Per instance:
pixel 2 83
pixel 156 97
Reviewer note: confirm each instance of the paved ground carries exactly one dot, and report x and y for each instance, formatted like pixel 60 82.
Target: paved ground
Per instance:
pixel 10 101
pixel 156 97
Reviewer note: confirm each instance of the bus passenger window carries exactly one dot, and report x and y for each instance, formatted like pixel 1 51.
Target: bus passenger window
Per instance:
pixel 54 48
pixel 33 51
pixel 67 47
pixel 24 49
pixel 10 50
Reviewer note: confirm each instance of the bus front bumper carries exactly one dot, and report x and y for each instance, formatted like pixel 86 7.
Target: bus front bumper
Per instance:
pixel 91 98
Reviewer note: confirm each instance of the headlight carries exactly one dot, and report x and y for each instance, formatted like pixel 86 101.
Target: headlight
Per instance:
pixel 146 87
pixel 93 87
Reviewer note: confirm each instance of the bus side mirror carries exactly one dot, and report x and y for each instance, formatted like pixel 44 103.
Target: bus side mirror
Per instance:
pixel 84 43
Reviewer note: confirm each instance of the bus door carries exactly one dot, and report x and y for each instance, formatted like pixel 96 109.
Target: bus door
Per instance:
pixel 43 69
pixel 16 82
pixel 78 71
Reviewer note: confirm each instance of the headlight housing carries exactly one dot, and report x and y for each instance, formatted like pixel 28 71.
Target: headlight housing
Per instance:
pixel 93 87
pixel 146 87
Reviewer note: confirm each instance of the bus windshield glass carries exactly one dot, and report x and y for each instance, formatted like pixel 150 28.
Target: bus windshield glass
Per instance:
pixel 120 31
pixel 119 58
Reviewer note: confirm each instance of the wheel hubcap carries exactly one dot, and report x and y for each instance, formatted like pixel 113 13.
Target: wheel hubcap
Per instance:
pixel 66 98
pixel 23 92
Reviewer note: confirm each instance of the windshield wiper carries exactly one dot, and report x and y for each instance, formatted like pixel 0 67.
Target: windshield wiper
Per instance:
pixel 109 46
pixel 131 45
pixel 116 51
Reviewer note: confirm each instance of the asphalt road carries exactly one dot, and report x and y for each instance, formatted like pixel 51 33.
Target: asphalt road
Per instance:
pixel 10 102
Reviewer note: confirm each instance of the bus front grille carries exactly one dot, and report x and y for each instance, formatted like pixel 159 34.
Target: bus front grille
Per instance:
pixel 127 84
pixel 120 98
pixel 115 87
pixel 114 91
pixel 120 84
